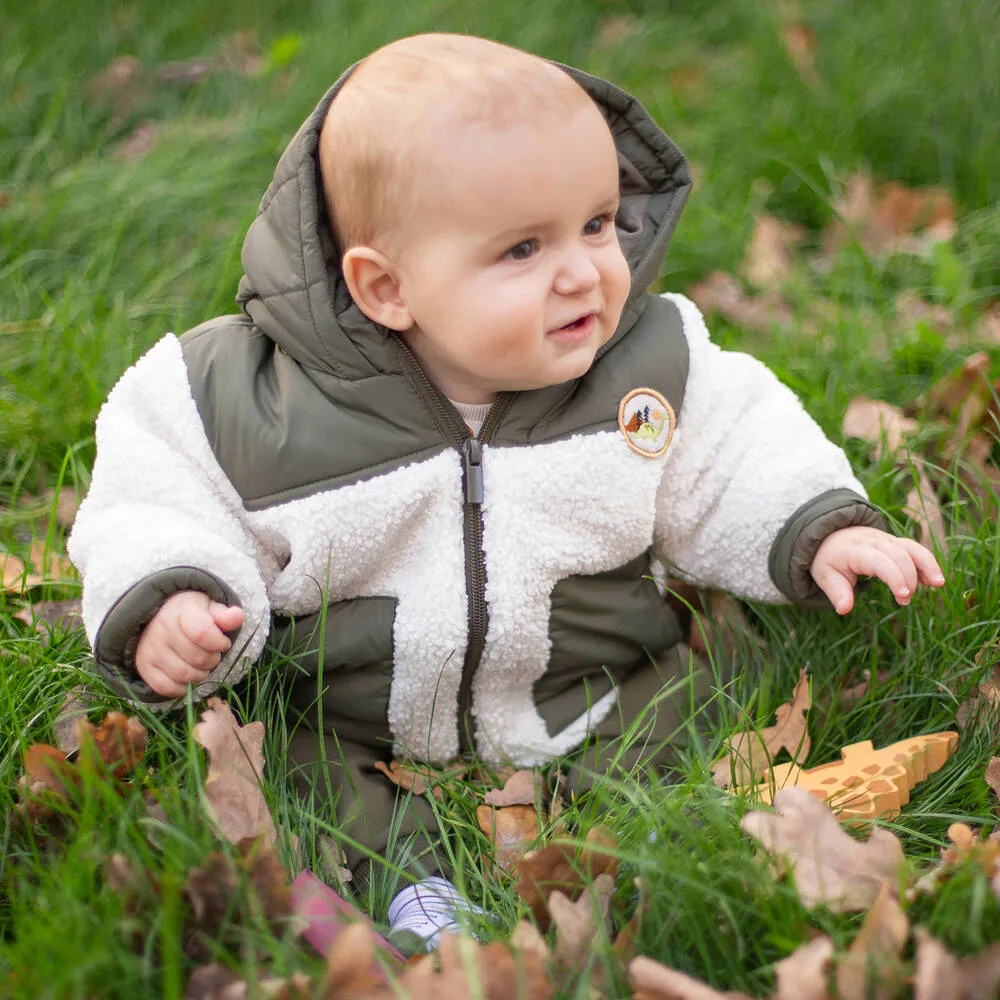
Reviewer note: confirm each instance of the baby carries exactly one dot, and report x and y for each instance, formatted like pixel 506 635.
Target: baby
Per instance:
pixel 438 459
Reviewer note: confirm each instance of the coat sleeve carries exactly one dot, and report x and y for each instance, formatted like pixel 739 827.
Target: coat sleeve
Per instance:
pixel 161 517
pixel 751 485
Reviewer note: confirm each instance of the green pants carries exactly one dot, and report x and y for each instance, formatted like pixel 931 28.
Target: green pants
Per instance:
pixel 657 703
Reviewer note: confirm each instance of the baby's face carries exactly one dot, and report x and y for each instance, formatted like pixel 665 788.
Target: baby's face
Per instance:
pixel 510 264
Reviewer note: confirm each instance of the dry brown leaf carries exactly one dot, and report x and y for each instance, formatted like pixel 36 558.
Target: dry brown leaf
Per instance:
pixel 749 754
pixel 993 775
pixel 557 867
pixel 950 395
pixel 854 693
pixel 966 846
pixel 117 84
pixel 924 510
pixel 911 309
pixel 653 981
pixel 15 577
pixel 465 970
pixel 66 505
pixel 235 768
pixel 576 923
pixel 49 617
pixel 871 967
pixel 410 777
pixel 988 325
pixel 942 976
pixel 721 293
pixel 770 257
pixel 518 790
pixel 614 32
pixel 627 941
pixel 802 976
pixel 890 218
pixel 870 419
pixel 717 623
pixel 51 566
pixel 120 741
pixel 211 888
pixel 828 865
pixel 218 982
pixel 801 43
pixel 526 937
pixel 65 730
pixel 139 143
pixel 512 830
pixel 351 967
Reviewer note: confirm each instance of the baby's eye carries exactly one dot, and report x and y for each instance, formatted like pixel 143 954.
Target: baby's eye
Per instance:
pixel 522 250
pixel 598 224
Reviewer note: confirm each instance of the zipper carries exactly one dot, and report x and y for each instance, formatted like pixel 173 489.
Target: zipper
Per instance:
pixel 471 450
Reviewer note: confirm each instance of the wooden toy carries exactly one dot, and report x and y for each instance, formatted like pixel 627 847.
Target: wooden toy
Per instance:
pixel 866 783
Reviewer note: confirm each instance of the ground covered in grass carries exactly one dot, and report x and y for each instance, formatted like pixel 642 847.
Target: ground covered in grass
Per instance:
pixel 135 142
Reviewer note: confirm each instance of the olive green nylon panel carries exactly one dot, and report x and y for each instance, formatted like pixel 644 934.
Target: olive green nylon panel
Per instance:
pixel 602 627
pixel 344 658
pixel 281 431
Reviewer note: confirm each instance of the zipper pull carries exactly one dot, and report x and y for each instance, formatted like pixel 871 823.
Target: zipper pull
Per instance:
pixel 472 456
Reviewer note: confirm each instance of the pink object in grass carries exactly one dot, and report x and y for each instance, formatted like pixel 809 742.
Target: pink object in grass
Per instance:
pixel 327 915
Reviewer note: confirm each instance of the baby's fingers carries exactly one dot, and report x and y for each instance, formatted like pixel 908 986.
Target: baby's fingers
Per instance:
pixel 870 561
pixel 838 587
pixel 927 566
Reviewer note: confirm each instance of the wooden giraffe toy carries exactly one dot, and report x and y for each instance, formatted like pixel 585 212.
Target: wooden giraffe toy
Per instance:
pixel 866 783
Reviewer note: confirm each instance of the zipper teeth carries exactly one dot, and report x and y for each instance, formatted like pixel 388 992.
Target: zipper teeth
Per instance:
pixel 472 534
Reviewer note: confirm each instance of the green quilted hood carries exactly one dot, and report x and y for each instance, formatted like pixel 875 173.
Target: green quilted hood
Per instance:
pixel 292 288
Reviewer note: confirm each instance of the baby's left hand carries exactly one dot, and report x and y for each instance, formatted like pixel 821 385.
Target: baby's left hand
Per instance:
pixel 900 563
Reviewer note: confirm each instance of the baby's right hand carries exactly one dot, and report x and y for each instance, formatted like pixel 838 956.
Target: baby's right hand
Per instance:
pixel 183 641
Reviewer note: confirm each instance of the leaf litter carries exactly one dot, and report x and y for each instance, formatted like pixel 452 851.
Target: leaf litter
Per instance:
pixel 565 886
pixel 750 753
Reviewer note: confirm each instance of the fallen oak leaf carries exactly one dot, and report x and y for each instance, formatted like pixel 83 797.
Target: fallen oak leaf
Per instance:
pixel 770 257
pixel 565 867
pixel 721 293
pixel 749 754
pixel 652 980
pixel 212 887
pixel 120 741
pixel 48 618
pixel 15 577
pixel 627 940
pixel 827 864
pixel 992 775
pixel 218 982
pixel 518 790
pixel 352 969
pixel 870 419
pixel 235 768
pixel 511 829
pixel 803 975
pixel 577 923
pixel 871 967
pixel 526 937
pixel 466 970
pixel 942 976
pixel 965 846
pixel 409 777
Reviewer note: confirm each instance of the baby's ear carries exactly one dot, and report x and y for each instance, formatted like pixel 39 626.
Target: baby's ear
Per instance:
pixel 374 285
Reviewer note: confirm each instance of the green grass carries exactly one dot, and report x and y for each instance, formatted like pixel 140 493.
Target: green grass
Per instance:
pixel 100 256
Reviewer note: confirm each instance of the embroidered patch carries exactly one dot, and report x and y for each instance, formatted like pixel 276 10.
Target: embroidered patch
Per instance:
pixel 647 420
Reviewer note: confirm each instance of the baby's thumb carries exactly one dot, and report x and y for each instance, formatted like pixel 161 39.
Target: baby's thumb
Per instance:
pixel 226 618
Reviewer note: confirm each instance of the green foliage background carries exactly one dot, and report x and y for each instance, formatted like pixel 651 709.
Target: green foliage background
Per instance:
pixel 100 255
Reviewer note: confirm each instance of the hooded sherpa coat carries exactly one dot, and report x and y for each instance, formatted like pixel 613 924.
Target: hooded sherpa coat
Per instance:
pixel 295 456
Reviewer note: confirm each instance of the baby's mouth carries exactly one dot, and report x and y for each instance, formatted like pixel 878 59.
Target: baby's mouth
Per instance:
pixel 576 324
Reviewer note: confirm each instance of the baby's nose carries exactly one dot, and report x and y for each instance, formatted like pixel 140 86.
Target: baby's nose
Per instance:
pixel 577 272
